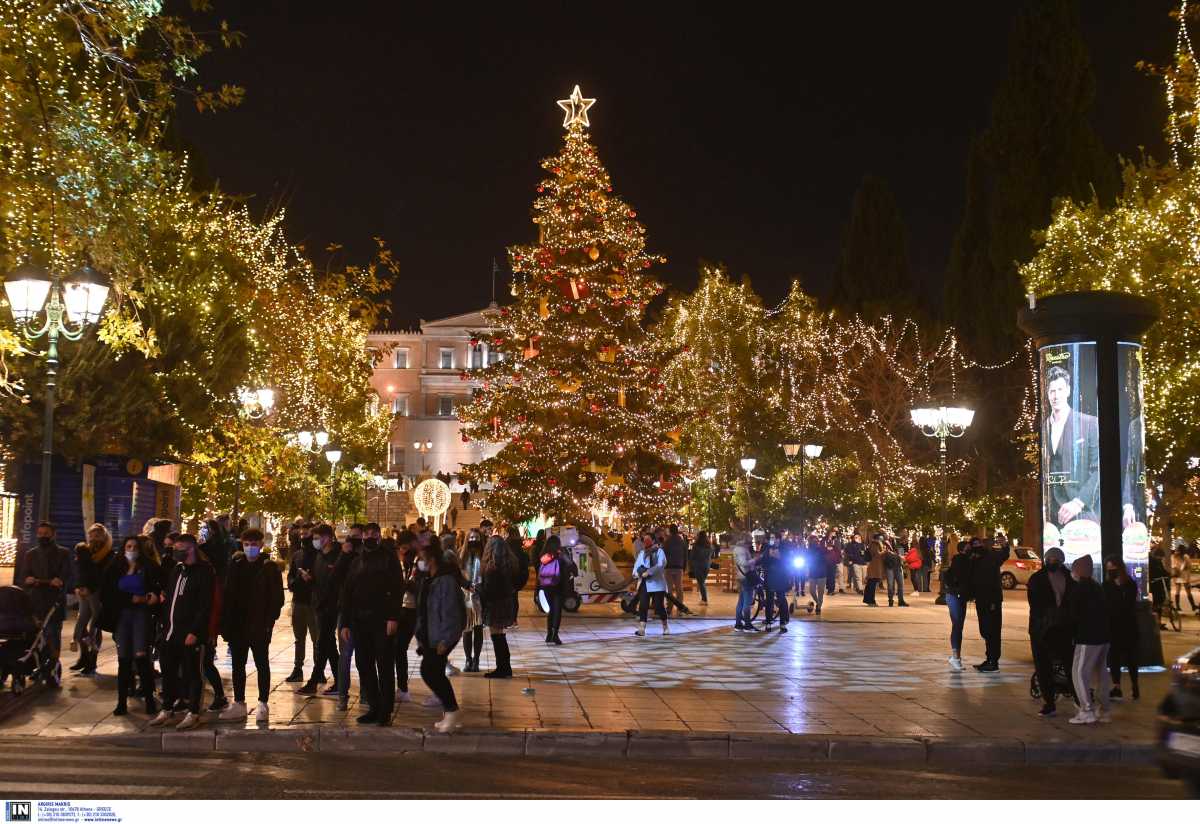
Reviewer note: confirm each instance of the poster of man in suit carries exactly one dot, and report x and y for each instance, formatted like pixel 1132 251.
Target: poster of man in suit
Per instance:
pixel 1135 536
pixel 1070 449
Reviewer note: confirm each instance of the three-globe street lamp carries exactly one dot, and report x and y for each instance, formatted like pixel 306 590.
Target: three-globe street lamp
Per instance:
pixel 423 447
pixel 253 405
pixel 312 442
pixel 942 422
pixel 69 308
pixel 808 450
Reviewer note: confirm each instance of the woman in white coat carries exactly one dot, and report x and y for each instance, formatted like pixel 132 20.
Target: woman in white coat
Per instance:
pixel 650 567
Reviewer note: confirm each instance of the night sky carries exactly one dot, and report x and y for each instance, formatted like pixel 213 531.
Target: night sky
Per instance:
pixel 737 138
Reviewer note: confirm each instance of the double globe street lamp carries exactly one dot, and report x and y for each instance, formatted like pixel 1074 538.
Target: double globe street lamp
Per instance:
pixel 68 309
pixel 811 451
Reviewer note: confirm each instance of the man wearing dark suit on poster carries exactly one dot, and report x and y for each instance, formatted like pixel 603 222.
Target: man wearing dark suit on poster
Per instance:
pixel 1133 485
pixel 1072 447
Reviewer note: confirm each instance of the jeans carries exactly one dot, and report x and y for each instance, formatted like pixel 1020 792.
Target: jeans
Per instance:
pixel 869 592
pixel 85 624
pixel 831 576
pixel 745 601
pixel 374 653
pixel 777 598
pixel 675 583
pixel 990 616
pixel 958 617
pixel 262 663
pixel 702 586
pixel 133 632
pixel 181 673
pixel 644 600
pixel 895 584
pixel 404 635
pixel 917 576
pixel 818 591
pixel 1087 673
pixel 304 623
pixel 926 578
pixel 433 673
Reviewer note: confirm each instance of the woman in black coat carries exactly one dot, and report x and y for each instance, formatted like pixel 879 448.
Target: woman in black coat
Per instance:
pixel 1121 597
pixel 499 601
pixel 129 594
pixel 556 578
pixel 699 563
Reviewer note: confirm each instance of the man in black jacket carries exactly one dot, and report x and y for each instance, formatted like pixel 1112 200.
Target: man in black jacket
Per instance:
pixel 251 605
pixel 676 552
pixel 303 556
pixel 988 594
pixel 1049 592
pixel 187 605
pixel 372 597
pixel 44 571
pixel 327 575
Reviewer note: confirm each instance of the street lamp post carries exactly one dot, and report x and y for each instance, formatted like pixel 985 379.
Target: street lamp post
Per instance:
pixel 942 422
pixel 423 447
pixel 748 465
pixel 809 450
pixel 708 474
pixel 333 455
pixel 254 404
pixel 312 442
pixel 71 307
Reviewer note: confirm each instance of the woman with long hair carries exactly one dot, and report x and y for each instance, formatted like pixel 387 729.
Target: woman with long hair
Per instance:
pixel 441 617
pixel 471 561
pixel 129 593
pixel 499 601
pixel 91 558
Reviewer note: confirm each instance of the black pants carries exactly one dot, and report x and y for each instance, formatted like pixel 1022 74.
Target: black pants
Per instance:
pixel 990 619
pixel 262 663
pixel 404 635
pixel 1052 645
pixel 554 616
pixel 1123 652
pixel 644 600
pixel 869 595
pixel 375 654
pixel 777 599
pixel 181 673
pixel 211 674
pixel 433 673
pixel 327 647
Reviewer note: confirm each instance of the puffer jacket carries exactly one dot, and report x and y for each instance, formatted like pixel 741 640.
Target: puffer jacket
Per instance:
pixel 441 613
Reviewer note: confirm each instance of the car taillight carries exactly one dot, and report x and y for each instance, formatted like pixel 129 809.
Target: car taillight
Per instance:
pixel 1021 565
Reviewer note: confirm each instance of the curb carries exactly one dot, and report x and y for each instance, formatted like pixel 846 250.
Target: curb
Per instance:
pixel 634 744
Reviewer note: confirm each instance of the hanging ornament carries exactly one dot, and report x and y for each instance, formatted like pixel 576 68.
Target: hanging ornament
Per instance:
pixel 674 436
pixel 574 288
pixel 534 347
pixel 607 354
pixel 543 307
pixel 593 253
pixel 621 397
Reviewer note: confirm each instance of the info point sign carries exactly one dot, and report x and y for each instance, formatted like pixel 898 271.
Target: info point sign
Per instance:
pixel 1072 454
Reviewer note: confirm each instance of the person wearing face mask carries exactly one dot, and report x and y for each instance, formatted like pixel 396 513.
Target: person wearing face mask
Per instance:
pixel 372 597
pixel 303 555
pixel 91 559
pixel 251 606
pixel 129 591
pixel 441 619
pixel 1089 615
pixel 1121 599
pixel 405 549
pixel 44 571
pixel 326 581
pixel 350 550
pixel 209 664
pixel 187 606
pixel 472 570
pixel 1049 594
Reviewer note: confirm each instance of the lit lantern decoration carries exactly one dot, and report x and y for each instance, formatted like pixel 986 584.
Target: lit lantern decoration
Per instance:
pixel 593 253
pixel 607 354
pixel 543 307
pixel 621 397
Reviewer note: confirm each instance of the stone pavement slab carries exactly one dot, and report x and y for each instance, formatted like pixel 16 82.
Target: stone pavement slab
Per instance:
pixel 855 683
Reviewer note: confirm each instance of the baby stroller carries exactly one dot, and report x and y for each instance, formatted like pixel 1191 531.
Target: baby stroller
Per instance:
pixel 1063 685
pixel 24 652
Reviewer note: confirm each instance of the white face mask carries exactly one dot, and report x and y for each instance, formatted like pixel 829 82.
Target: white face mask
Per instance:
pixel 131 556
pixel 318 543
pixel 421 564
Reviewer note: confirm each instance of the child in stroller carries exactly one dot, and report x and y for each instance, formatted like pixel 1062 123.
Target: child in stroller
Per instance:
pixel 23 652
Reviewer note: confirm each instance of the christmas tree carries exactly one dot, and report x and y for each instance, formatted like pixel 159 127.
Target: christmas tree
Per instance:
pixel 577 401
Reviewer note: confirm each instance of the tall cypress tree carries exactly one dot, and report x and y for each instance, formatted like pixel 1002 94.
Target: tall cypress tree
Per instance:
pixel 873 275
pixel 1038 146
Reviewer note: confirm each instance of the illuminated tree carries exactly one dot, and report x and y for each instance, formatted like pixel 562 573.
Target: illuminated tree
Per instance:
pixel 577 402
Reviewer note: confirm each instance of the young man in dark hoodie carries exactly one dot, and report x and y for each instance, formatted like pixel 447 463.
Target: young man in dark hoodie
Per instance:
pixel 302 557
pixel 187 604
pixel 327 576
pixel 253 599
pixel 372 598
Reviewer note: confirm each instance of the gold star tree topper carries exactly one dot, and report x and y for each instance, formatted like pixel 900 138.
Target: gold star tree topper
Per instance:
pixel 576 107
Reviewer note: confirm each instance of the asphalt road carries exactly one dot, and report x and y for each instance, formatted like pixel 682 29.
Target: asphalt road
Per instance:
pixel 43 770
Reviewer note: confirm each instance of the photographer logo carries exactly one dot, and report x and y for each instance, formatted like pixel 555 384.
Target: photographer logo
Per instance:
pixel 18 811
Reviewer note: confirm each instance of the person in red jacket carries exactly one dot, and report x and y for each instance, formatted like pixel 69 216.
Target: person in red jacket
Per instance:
pixel 912 559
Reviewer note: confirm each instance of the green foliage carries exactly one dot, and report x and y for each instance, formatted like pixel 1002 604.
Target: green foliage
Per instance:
pixel 873 276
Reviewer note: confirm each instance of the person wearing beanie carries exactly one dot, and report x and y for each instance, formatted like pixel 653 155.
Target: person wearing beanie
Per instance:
pixel 1089 665
pixel 1049 593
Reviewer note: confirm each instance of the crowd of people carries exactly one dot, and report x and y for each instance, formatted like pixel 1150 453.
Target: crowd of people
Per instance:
pixel 168 598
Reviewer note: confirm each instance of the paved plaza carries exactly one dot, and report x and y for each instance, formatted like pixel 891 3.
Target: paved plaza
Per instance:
pixel 855 671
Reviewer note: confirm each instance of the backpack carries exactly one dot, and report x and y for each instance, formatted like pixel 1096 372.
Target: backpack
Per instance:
pixel 549 575
pixel 520 570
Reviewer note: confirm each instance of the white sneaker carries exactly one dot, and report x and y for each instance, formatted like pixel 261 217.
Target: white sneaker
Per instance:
pixel 234 712
pixel 1083 717
pixel 262 714
pixel 431 701
pixel 402 697
pixel 956 664
pixel 450 722
pixel 162 718
pixel 189 722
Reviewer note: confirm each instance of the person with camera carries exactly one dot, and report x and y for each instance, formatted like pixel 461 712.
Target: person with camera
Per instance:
pixel 988 594
pixel 253 599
